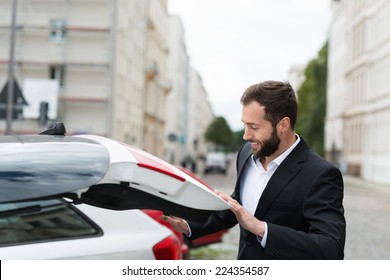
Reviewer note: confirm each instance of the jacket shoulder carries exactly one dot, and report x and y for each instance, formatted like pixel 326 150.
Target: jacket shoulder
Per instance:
pixel 243 154
pixel 305 154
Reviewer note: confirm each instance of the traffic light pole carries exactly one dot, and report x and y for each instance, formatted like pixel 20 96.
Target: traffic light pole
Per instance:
pixel 11 64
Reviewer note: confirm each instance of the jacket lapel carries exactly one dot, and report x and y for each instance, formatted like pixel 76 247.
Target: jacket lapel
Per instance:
pixel 287 170
pixel 243 156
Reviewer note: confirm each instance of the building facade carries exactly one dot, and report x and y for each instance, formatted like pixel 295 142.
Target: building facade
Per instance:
pixel 336 87
pixel 176 106
pixel 189 111
pixel 110 62
pixel 200 116
pixel 296 76
pixel 358 91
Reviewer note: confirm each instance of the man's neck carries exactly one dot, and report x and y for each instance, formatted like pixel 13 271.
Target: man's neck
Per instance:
pixel 284 146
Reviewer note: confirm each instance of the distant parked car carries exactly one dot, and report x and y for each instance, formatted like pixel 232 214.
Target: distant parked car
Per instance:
pixel 216 162
pixel 60 198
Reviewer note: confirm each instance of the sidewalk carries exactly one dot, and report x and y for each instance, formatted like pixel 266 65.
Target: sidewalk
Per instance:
pixel 367 211
pixel 357 181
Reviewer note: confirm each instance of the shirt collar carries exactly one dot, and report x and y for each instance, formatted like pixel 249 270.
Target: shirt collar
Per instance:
pixel 283 156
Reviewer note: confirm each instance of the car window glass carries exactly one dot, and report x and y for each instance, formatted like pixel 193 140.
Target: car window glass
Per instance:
pixel 61 221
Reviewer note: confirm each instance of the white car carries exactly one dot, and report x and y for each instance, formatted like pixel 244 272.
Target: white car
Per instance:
pixel 65 231
pixel 216 162
pixel 95 182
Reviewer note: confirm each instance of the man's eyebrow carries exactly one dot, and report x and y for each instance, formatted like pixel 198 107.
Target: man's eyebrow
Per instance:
pixel 249 123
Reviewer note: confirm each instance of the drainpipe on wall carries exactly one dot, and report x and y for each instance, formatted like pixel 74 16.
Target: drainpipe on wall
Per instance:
pixel 111 69
pixel 11 64
pixel 186 106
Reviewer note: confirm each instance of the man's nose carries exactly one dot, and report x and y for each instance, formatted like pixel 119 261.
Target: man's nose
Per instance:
pixel 246 135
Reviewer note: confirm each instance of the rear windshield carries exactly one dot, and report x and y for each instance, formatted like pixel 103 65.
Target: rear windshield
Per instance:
pixel 57 220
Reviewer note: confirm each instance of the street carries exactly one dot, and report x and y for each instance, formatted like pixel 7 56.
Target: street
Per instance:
pixel 367 211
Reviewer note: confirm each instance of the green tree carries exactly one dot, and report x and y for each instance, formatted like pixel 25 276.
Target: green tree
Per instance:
pixel 219 133
pixel 312 101
pixel 237 141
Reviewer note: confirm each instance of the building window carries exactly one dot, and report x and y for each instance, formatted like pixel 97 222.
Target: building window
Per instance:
pixel 57 30
pixel 57 72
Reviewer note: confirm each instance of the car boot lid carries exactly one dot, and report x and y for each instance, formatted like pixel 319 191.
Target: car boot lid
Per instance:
pixel 99 171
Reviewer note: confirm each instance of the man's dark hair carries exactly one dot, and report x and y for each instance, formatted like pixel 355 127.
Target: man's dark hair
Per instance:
pixel 278 99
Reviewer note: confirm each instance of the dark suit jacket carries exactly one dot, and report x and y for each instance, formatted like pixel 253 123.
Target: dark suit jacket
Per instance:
pixel 302 205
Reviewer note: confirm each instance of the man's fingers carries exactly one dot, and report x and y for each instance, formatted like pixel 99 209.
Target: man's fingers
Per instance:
pixel 177 223
pixel 222 195
pixel 169 218
pixel 233 203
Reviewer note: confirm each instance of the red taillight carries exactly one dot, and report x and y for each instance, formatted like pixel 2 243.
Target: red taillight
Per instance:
pixel 156 215
pixel 168 249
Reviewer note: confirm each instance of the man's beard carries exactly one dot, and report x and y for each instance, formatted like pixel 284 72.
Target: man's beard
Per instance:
pixel 268 146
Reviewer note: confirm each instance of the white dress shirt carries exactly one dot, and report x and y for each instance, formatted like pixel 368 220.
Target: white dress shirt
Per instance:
pixel 254 180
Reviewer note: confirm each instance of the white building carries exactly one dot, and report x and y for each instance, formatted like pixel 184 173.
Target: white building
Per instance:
pixel 189 111
pixel 109 58
pixel 200 116
pixel 296 76
pixel 176 108
pixel 60 40
pixel 115 63
pixel 336 86
pixel 358 88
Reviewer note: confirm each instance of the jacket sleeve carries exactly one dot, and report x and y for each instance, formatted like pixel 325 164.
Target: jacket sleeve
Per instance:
pixel 221 219
pixel 217 221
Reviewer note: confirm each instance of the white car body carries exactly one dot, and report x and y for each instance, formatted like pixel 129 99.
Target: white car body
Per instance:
pixel 129 234
pixel 105 180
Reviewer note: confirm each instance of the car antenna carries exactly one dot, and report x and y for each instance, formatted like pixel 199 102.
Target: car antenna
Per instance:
pixel 57 129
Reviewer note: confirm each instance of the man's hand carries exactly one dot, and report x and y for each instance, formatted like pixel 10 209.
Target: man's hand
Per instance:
pixel 178 224
pixel 244 217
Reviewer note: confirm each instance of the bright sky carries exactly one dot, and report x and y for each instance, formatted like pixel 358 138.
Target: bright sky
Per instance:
pixel 235 43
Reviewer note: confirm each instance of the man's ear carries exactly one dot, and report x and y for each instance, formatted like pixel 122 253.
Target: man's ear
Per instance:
pixel 285 124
